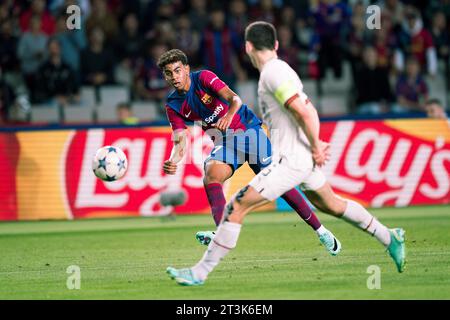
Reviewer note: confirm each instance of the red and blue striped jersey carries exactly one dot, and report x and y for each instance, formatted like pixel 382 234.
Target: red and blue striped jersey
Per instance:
pixel 203 103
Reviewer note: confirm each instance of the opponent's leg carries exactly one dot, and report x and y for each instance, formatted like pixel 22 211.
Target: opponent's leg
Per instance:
pixel 261 158
pixel 296 201
pixel 264 187
pixel 228 232
pixel 216 173
pixel 327 201
pixel 299 204
pixel 226 238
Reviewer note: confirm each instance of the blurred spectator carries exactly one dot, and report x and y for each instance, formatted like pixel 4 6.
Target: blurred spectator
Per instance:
pixel 8 48
pixel 332 20
pixel 435 110
pixel 417 41
pixel 384 44
pixel 37 9
pixel 165 31
pixel 287 17
pixel 264 10
pixel 57 7
pixel 219 49
pixel 291 47
pixel 6 99
pixel 275 3
pixel 309 46
pixel 301 8
pixel 55 79
pixel 441 41
pixel 31 51
pixel 72 42
pixel 148 14
pixel 5 10
pixel 129 6
pixel 356 42
pixel 304 33
pixel 411 89
pixel 187 39
pixel 150 83
pixel 198 14
pixel 130 41
pixel 438 6
pixel 165 11
pixel 373 92
pixel 288 50
pixel 440 36
pixel 237 22
pixel 121 8
pixel 97 61
pixel 396 11
pixel 125 114
pixel 102 18
pixel 238 18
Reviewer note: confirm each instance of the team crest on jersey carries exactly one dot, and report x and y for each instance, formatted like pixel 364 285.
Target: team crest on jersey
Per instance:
pixel 206 99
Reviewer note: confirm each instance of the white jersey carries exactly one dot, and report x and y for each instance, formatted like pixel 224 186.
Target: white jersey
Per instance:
pixel 278 83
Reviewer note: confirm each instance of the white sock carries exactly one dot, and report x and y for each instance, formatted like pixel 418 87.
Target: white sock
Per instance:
pixel 357 215
pixel 226 238
pixel 321 230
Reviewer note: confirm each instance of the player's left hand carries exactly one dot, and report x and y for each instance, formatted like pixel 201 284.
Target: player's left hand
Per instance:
pixel 321 154
pixel 223 123
pixel 325 146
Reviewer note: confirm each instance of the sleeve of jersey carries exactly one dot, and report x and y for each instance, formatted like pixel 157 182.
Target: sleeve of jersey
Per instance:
pixel 176 121
pixel 284 90
pixel 211 81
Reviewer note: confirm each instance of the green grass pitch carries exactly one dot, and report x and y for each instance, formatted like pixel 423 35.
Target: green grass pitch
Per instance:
pixel 277 257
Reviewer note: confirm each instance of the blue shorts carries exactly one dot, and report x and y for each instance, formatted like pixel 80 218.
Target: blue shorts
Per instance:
pixel 252 146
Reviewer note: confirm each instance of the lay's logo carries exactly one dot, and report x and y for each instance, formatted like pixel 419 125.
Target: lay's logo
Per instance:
pixel 206 99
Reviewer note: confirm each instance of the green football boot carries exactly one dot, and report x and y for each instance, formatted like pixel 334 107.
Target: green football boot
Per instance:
pixel 397 248
pixel 183 276
pixel 330 242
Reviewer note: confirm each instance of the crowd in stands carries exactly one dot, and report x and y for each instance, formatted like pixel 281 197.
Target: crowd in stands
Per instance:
pixel 119 42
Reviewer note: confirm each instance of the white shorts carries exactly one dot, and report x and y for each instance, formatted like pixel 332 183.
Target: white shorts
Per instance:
pixel 280 177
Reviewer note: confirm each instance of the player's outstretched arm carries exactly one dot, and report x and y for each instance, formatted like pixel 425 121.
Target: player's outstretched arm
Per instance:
pixel 178 151
pixel 307 117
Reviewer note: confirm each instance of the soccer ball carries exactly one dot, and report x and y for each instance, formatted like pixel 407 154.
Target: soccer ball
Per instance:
pixel 109 163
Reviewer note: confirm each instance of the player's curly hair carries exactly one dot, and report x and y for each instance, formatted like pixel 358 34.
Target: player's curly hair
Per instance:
pixel 172 56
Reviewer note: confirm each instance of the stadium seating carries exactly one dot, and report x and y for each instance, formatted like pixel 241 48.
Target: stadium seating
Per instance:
pixel 45 113
pixel 78 113
pixel 146 110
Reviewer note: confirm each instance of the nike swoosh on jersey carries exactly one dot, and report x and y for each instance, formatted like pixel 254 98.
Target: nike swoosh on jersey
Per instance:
pixel 187 115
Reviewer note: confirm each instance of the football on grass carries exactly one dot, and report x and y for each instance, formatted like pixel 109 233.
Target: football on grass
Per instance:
pixel 109 163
